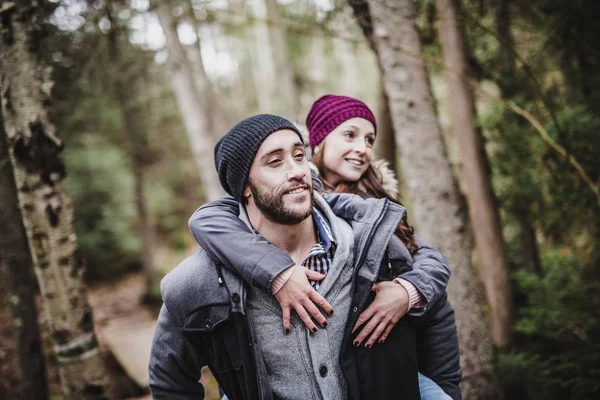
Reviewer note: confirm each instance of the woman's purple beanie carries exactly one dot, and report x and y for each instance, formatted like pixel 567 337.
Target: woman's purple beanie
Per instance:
pixel 329 111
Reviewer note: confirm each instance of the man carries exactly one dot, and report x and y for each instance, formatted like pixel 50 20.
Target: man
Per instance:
pixel 211 317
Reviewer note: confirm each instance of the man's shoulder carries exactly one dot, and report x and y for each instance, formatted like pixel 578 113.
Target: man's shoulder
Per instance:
pixel 352 207
pixel 192 284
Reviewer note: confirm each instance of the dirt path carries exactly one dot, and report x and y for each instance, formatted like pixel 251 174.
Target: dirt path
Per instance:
pixel 125 327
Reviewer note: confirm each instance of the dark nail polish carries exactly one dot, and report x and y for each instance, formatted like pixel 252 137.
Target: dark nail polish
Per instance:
pixel 368 346
pixel 356 344
pixel 381 341
pixel 287 330
pixel 331 312
pixel 314 330
pixel 324 324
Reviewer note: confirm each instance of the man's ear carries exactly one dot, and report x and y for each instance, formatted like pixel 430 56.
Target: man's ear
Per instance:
pixel 247 192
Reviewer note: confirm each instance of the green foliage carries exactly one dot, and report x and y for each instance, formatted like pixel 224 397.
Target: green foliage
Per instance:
pixel 101 187
pixel 559 331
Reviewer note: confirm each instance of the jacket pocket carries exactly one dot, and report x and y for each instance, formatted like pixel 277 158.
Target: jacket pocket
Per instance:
pixel 212 329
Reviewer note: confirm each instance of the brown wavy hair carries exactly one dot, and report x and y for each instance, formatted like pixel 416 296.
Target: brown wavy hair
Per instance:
pixel 369 184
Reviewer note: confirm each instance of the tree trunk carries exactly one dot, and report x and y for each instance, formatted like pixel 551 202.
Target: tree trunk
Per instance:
pixel 193 112
pixel 347 65
pixel 286 95
pixel 261 58
pixel 19 286
pixel 483 210
pixel 217 123
pixel 386 139
pixel 509 86
pixel 45 206
pixel 133 134
pixel 317 72
pixel 437 207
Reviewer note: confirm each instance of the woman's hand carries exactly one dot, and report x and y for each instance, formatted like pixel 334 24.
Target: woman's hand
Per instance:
pixel 390 304
pixel 297 294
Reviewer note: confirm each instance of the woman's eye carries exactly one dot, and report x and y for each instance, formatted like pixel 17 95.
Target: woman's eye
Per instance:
pixel 349 135
pixel 370 141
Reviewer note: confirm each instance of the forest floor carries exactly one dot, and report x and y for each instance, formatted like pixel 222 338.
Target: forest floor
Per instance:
pixel 120 319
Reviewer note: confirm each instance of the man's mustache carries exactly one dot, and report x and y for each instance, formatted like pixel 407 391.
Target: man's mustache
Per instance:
pixel 295 184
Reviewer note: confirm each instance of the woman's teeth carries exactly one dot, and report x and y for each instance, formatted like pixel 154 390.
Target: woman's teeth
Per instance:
pixel 355 162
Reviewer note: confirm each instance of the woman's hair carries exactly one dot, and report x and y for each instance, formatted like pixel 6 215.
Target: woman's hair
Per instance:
pixel 370 183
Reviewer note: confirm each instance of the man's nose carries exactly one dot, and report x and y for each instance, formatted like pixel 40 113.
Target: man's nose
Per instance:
pixel 296 172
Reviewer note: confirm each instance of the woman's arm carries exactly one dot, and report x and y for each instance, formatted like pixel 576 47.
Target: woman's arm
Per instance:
pixel 227 239
pixel 430 270
pixel 429 275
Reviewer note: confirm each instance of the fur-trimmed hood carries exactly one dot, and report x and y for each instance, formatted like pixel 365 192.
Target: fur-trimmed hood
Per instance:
pixel 386 176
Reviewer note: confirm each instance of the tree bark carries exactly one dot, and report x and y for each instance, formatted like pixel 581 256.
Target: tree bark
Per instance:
pixel 346 64
pixel 316 72
pixel 437 206
pixel 287 95
pixel 509 86
pixel 133 134
pixel 263 68
pixel 483 210
pixel 19 286
pixel 386 138
pixel 217 123
pixel 193 112
pixel 46 209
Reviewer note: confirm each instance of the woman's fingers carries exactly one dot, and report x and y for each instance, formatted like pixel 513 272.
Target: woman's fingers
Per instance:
pixel 285 311
pixel 313 275
pixel 364 317
pixel 376 333
pixel 369 327
pixel 305 317
pixel 321 302
pixel 314 312
pixel 386 333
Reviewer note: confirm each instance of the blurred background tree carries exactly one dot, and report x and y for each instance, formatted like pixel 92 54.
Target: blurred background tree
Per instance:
pixel 141 90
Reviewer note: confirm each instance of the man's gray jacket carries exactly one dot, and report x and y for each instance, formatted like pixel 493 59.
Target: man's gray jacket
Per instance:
pixel 203 321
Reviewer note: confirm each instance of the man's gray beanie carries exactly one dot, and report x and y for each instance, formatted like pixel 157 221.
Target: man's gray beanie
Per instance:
pixel 235 152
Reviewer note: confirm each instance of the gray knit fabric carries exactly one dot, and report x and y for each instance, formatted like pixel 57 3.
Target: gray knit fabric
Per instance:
pixel 294 361
pixel 235 151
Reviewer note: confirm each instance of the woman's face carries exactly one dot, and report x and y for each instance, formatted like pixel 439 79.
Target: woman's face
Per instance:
pixel 348 150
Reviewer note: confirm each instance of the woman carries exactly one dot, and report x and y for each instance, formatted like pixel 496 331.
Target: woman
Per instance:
pixel 342 132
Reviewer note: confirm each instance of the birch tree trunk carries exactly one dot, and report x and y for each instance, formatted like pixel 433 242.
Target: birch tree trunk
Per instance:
pixel 287 95
pixel 19 286
pixel 45 206
pixel 437 207
pixel 193 112
pixel 483 211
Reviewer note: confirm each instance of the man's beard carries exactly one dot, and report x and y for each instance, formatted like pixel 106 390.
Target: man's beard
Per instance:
pixel 273 208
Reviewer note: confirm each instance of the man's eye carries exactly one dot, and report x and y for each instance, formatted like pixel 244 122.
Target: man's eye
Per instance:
pixel 274 162
pixel 299 156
